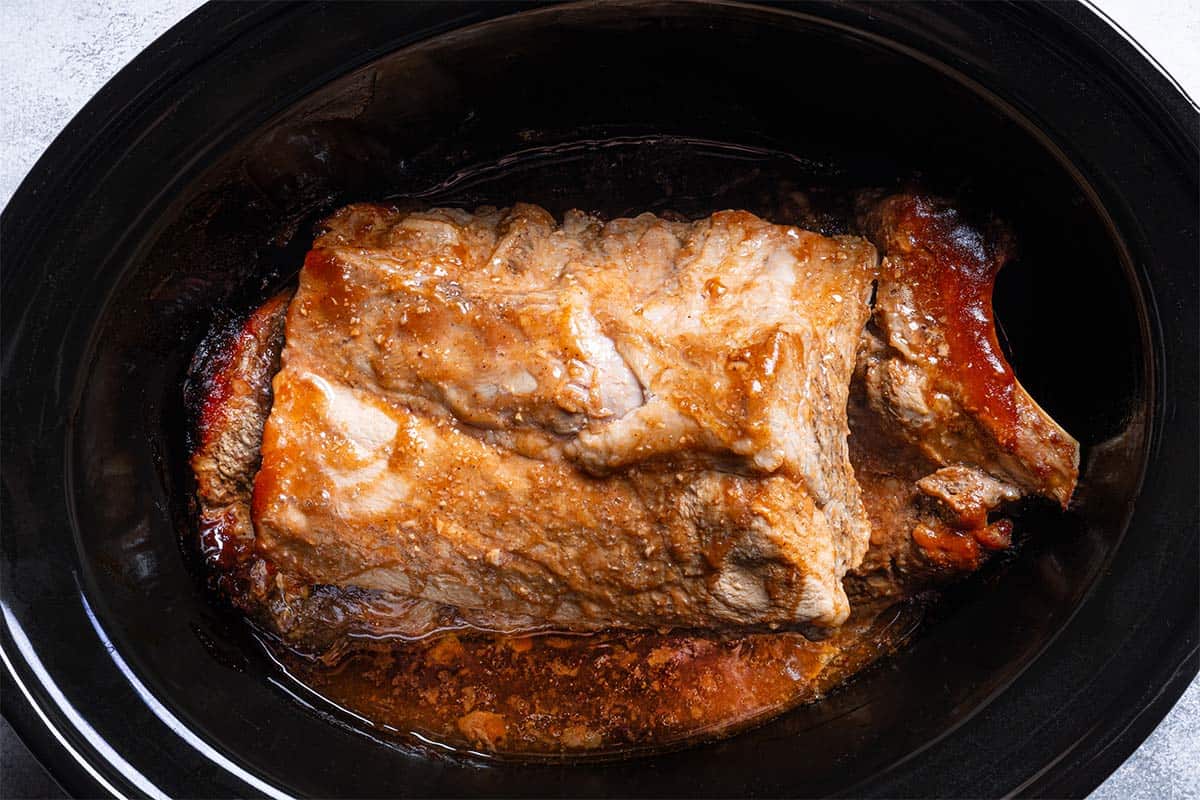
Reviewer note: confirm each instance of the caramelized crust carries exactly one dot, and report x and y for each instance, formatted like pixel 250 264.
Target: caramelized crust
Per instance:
pixel 943 435
pixel 235 374
pixel 939 376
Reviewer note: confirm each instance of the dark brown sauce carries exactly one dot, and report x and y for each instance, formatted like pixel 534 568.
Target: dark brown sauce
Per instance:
pixel 595 696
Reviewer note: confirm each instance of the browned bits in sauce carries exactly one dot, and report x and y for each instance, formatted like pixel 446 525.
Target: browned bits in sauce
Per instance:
pixel 484 729
pixel 553 694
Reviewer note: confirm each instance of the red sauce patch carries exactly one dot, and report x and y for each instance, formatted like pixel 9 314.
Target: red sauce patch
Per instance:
pixel 962 550
pixel 947 547
pixel 997 536
pixel 217 389
pixel 951 269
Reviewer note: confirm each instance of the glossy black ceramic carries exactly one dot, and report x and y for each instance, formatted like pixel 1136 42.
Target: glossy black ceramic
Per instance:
pixel 187 190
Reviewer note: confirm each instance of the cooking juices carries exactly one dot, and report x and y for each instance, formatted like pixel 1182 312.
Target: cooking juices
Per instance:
pixel 598 695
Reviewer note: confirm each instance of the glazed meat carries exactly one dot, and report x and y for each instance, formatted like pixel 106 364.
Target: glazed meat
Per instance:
pixel 943 434
pixel 633 424
pixel 554 368
pixel 940 376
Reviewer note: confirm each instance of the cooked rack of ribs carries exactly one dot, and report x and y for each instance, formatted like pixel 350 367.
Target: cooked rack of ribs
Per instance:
pixel 495 420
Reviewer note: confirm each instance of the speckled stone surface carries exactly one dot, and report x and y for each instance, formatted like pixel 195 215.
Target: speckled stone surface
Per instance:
pixel 55 54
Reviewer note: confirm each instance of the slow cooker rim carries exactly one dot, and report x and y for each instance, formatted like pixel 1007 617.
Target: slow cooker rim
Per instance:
pixel 82 136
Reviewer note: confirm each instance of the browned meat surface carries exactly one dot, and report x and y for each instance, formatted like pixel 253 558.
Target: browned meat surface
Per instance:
pixel 943 434
pixel 236 373
pixel 938 375
pixel 918 540
pixel 632 424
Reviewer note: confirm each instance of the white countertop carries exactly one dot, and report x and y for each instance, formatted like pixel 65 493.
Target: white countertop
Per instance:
pixel 55 54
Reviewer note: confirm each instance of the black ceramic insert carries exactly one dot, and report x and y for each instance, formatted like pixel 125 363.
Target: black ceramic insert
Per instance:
pixel 188 188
